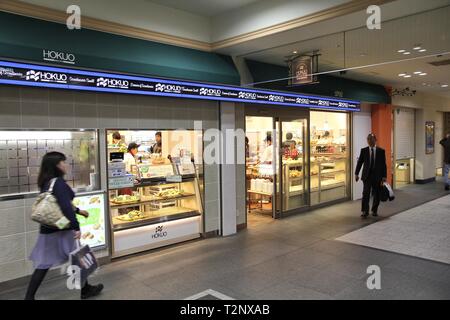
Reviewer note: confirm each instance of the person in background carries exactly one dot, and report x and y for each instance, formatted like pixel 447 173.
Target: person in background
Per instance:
pixel 446 144
pixel 157 147
pixel 289 145
pixel 116 137
pixel 53 246
pixel 130 156
pixel 373 176
pixel 247 148
pixel 267 155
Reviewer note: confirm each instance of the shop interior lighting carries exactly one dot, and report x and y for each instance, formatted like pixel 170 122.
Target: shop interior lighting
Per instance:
pixel 401 51
pixel 407 76
pixel 423 74
pixel 402 74
pixel 417 48
pixel 418 72
pixel 422 50
pixel 407 52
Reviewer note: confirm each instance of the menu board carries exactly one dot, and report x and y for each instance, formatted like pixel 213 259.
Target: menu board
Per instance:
pixel 35 75
pixel 92 228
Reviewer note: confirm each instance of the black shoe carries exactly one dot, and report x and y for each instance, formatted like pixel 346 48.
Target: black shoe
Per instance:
pixel 447 187
pixel 374 214
pixel 364 215
pixel 89 291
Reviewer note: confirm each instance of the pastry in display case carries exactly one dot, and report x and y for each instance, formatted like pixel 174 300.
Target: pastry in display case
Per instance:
pixel 155 199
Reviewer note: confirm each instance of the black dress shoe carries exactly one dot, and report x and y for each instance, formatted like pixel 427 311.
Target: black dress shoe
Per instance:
pixel 374 214
pixel 89 291
pixel 364 214
pixel 447 187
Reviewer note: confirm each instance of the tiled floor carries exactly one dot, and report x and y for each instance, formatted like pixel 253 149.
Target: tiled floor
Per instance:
pixel 423 231
pixel 292 258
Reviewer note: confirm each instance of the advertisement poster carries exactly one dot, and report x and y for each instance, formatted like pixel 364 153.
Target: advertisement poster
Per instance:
pixel 93 228
pixel 429 137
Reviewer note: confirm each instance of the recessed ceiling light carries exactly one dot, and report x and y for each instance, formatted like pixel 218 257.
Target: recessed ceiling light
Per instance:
pixel 418 72
pixel 294 52
pixel 407 76
pixel 423 74
pixel 401 51
pixel 402 74
pixel 444 85
pixel 417 48
pixel 407 52
pixel 422 50
pixel 424 84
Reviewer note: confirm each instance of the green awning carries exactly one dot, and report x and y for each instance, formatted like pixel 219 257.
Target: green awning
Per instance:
pixel 25 38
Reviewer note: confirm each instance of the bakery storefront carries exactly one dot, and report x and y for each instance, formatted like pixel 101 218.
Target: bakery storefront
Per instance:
pixel 135 147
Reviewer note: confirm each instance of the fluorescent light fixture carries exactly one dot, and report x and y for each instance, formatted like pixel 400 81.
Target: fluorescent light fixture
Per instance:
pixel 407 76
pixel 444 85
pixel 423 74
pixel 407 52
pixel 402 74
pixel 422 50
pixel 401 51
pixel 418 72
pixel 417 48
pixel 294 52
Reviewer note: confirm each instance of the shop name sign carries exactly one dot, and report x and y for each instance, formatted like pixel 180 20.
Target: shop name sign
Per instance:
pixel 56 56
pixel 74 79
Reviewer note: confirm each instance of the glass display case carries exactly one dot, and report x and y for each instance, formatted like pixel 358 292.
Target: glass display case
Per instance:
pixel 154 202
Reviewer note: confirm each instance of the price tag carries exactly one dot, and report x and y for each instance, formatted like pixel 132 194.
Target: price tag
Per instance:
pixel 174 178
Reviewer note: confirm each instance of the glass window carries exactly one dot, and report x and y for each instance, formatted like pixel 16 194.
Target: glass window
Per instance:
pixel 329 156
pixel 21 154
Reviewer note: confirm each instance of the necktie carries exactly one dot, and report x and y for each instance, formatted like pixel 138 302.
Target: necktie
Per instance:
pixel 372 160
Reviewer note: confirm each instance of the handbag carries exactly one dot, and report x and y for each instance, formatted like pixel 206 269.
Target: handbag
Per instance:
pixel 47 211
pixel 82 263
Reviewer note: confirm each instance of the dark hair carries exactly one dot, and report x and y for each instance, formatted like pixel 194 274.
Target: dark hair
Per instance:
pixel 116 135
pixel 372 135
pixel 158 133
pixel 49 169
pixel 289 135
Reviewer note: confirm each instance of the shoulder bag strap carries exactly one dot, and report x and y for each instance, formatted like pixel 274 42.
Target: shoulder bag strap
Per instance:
pixel 52 184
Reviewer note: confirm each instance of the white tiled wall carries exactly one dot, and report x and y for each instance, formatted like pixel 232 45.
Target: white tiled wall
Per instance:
pixel 35 108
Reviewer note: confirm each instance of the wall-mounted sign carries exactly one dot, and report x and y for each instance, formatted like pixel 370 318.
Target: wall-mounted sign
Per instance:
pixel 93 231
pixel 57 56
pixel 74 79
pixel 301 70
pixel 429 137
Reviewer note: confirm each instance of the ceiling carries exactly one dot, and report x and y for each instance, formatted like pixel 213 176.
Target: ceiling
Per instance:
pixel 372 55
pixel 208 8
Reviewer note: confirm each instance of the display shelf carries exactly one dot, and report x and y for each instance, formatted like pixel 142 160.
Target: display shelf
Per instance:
pixel 157 181
pixel 260 192
pixel 156 216
pixel 149 201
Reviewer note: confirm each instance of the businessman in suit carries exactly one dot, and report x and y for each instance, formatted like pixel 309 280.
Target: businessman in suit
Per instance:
pixel 373 175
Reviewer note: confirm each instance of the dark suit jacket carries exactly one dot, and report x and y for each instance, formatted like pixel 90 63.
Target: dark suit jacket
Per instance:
pixel 446 144
pixel 380 170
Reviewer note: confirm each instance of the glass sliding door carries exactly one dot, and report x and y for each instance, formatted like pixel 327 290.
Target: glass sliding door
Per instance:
pixel 261 164
pixel 294 165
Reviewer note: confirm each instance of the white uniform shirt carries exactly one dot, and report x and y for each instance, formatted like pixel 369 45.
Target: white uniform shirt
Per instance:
pixel 267 155
pixel 129 160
